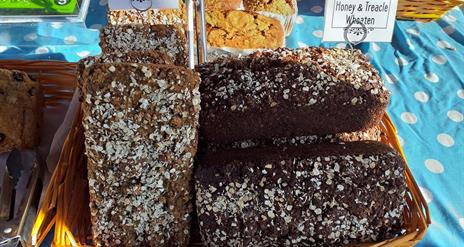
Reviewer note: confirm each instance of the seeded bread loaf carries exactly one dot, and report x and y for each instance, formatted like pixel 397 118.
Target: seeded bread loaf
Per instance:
pixel 281 7
pixel 373 134
pixel 20 110
pixel 150 17
pixel 318 195
pixel 243 30
pixel 149 56
pixel 120 39
pixel 140 125
pixel 289 93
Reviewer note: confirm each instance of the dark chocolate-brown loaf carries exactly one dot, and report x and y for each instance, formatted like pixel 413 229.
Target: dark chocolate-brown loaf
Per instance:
pixel 317 195
pixel 287 93
pixel 372 134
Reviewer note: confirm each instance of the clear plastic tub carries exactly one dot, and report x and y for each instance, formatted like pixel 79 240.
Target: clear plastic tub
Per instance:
pixel 21 11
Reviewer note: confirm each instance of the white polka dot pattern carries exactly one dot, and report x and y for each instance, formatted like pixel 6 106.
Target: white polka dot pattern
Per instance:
pixel 460 93
pixel 318 33
pixel 434 166
pixel 413 31
pixel 445 45
pixel 431 77
pixel 57 25
pixel 70 40
pixel 390 78
pixel 30 37
pixel 42 50
pixel 445 140
pixel 455 116
pixel 401 61
pixel 83 54
pixel 421 97
pixel 409 118
pixel 299 20
pixel 439 59
pixel 316 9
pixel 427 194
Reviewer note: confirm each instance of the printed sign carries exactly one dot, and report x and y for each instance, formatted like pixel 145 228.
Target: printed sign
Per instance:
pixel 358 21
pixel 143 5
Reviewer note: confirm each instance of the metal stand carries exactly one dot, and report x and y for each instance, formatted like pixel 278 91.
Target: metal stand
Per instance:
pixel 196 32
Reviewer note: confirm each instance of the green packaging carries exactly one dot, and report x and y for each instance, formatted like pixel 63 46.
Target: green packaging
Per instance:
pixel 39 7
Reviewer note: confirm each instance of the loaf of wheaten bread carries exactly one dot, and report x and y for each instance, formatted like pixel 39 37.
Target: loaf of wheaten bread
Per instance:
pixel 21 102
pixel 150 17
pixel 372 134
pixel 243 30
pixel 119 39
pixel 140 125
pixel 290 93
pixel 148 56
pixel 316 195
pixel 281 7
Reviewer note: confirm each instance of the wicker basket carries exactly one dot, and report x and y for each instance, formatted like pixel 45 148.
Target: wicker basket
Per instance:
pixel 58 79
pixel 65 212
pixel 423 10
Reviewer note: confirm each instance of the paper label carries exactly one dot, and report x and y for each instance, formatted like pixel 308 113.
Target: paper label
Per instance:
pixel 143 4
pixel 358 21
pixel 31 7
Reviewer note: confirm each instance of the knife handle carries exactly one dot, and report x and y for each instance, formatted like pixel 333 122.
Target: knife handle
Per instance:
pixel 6 198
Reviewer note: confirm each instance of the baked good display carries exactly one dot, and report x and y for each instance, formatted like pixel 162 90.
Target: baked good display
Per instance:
pixel 372 134
pixel 281 7
pixel 20 110
pixel 243 30
pixel 120 39
pixel 289 93
pixel 140 124
pixel 223 4
pixel 318 195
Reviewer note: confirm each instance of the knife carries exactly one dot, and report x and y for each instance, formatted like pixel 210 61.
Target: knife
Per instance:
pixel 11 177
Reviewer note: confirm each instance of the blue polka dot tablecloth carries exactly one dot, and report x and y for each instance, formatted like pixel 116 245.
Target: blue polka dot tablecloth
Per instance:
pixel 423 67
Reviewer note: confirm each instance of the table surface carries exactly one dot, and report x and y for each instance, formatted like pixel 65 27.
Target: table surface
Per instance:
pixel 423 68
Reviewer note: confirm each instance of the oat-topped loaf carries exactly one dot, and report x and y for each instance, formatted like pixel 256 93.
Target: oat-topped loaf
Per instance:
pixel 140 125
pixel 287 93
pixel 20 110
pixel 243 30
pixel 317 195
pixel 121 39
pixel 282 7
pixel 372 134
pixel 150 17
pixel 149 56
